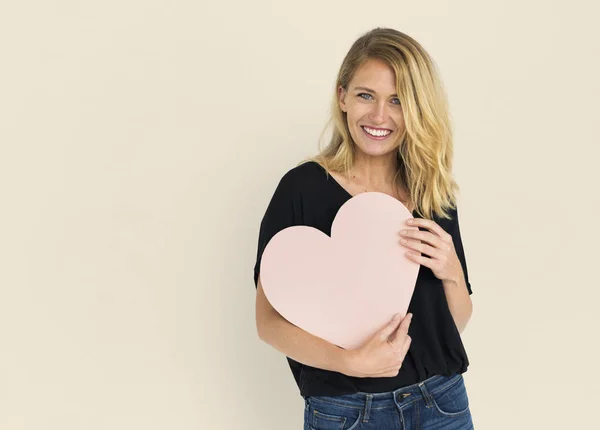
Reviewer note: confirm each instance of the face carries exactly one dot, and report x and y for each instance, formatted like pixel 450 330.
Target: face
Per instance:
pixel 374 114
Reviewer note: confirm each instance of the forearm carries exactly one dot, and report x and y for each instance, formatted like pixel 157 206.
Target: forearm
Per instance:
pixel 459 301
pixel 300 345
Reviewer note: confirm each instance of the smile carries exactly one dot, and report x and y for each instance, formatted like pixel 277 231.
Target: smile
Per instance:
pixel 376 134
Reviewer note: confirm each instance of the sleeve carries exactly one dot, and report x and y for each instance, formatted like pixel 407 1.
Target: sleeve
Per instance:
pixel 284 210
pixel 458 246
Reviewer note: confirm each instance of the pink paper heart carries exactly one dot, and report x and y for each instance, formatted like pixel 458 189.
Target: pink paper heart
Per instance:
pixel 346 287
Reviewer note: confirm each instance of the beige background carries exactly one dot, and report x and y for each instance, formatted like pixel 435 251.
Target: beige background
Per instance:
pixel 142 140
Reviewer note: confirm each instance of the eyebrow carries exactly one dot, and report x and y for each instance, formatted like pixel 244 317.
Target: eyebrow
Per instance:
pixel 370 90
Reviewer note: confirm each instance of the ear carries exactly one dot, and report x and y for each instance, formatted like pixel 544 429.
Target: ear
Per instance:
pixel 342 98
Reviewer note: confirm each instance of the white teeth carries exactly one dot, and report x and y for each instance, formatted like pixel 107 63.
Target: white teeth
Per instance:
pixel 378 133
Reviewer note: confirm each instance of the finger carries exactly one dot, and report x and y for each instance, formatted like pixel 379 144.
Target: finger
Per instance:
pixel 425 249
pixel 404 325
pixel 389 328
pixel 433 226
pixel 401 352
pixel 401 345
pixel 427 237
pixel 405 346
pixel 423 261
pixel 397 337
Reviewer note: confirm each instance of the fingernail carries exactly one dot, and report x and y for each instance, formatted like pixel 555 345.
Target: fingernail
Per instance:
pixel 396 316
pixel 410 221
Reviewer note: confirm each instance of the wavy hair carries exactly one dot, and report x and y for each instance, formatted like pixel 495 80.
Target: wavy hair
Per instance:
pixel 425 151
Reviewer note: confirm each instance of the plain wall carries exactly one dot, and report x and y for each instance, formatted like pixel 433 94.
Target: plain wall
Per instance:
pixel 142 140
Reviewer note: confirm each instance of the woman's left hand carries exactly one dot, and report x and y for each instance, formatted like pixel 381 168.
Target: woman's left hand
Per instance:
pixel 435 243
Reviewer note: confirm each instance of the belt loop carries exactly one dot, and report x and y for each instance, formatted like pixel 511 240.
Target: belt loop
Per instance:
pixel 367 411
pixel 426 395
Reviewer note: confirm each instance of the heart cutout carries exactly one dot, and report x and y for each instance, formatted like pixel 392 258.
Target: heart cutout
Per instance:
pixel 346 287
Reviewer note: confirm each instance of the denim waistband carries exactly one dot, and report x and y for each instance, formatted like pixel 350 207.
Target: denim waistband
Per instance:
pixel 401 397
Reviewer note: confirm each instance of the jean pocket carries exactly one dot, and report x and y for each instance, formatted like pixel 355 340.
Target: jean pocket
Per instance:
pixel 327 415
pixel 453 400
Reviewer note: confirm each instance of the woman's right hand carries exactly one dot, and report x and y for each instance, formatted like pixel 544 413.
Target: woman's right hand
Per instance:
pixel 383 354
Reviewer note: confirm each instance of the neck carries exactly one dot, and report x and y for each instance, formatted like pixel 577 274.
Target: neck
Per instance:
pixel 374 172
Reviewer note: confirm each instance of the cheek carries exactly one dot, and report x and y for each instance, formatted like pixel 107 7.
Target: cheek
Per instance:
pixel 357 114
pixel 353 117
pixel 399 118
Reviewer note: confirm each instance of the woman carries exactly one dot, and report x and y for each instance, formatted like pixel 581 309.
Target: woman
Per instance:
pixel 391 134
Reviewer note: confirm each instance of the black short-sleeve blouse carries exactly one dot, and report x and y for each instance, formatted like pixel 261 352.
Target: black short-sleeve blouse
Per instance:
pixel 305 195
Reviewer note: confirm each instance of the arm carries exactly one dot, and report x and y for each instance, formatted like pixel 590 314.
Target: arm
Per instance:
pixel 294 342
pixel 446 258
pixel 456 287
pixel 377 357
pixel 459 301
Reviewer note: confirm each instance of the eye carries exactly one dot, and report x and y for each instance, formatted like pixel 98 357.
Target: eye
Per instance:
pixel 365 96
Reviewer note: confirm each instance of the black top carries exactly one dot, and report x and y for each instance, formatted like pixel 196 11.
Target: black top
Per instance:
pixel 306 196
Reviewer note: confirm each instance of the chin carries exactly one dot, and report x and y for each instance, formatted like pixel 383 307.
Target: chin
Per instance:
pixel 376 151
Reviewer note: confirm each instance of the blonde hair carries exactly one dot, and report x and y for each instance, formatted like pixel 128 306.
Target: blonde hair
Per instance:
pixel 426 149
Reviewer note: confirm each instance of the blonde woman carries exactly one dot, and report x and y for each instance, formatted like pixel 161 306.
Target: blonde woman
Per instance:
pixel 391 134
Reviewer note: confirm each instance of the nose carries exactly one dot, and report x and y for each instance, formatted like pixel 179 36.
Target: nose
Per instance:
pixel 378 112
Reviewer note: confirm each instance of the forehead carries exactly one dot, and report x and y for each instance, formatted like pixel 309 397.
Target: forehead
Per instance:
pixel 375 74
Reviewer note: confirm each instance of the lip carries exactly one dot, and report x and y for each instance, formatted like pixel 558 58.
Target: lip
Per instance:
pixel 376 137
pixel 376 128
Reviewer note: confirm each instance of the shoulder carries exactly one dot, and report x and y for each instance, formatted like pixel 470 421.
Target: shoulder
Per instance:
pixel 302 177
pixel 308 170
pixel 453 224
pixel 448 224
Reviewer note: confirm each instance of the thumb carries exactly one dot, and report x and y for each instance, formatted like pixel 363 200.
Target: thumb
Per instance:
pixel 389 328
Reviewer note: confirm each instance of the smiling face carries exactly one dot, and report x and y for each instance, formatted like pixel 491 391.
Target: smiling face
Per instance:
pixel 374 114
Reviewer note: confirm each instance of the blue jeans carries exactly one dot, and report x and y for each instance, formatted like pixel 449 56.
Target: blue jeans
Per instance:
pixel 439 402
